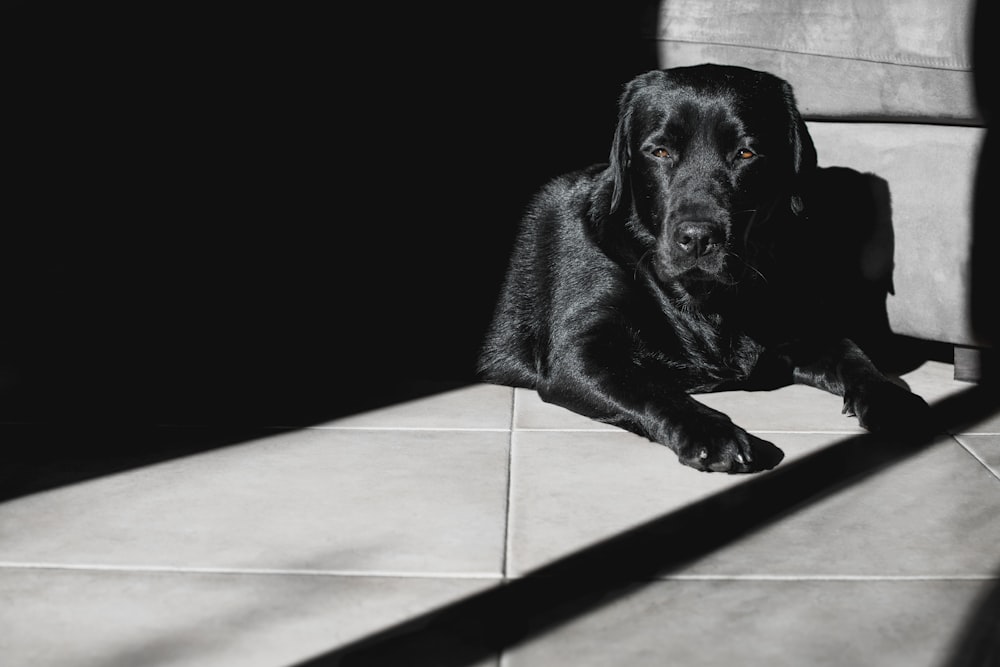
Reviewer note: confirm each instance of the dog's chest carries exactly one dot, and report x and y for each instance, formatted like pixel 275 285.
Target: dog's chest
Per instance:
pixel 727 359
pixel 710 352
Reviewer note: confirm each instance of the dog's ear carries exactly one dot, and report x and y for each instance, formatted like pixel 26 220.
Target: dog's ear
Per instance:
pixel 803 150
pixel 621 152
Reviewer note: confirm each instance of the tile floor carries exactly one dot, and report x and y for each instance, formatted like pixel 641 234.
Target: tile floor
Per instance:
pixel 274 550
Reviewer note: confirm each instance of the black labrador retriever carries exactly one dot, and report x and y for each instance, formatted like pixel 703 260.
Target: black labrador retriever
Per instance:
pixel 681 267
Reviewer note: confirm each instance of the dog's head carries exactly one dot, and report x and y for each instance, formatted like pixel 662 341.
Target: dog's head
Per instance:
pixel 704 157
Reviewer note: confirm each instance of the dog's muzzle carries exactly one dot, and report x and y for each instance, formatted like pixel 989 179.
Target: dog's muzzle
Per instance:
pixel 694 249
pixel 698 238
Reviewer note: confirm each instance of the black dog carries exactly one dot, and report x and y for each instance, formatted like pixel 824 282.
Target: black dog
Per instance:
pixel 680 268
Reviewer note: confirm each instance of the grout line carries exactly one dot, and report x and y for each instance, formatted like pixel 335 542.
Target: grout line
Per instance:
pixel 340 428
pixel 976 456
pixel 168 569
pixel 406 428
pixel 533 429
pixel 814 577
pixel 507 536
pixel 555 429
pixel 484 576
pixel 541 429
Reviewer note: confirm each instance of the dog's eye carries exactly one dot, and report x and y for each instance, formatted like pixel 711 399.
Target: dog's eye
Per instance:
pixel 745 154
pixel 661 152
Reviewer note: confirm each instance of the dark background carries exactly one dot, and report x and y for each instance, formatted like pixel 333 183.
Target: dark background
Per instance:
pixel 217 212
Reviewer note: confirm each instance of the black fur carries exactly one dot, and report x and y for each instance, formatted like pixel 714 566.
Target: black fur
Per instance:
pixel 678 268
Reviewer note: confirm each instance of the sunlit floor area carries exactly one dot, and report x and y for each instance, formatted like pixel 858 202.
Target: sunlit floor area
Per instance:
pixel 287 546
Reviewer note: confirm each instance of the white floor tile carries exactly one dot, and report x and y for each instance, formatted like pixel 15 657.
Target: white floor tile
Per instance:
pixel 74 618
pixel 570 490
pixel 935 514
pixel 394 501
pixel 766 624
pixel 478 406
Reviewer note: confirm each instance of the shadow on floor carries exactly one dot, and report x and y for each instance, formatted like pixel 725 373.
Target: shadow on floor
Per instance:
pixel 206 221
pixel 979 644
pixel 523 609
pixel 49 453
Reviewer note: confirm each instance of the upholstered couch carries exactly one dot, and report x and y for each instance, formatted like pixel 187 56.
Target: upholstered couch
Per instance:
pixel 886 87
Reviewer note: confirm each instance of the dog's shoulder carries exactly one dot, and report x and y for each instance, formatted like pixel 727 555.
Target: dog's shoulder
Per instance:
pixel 561 223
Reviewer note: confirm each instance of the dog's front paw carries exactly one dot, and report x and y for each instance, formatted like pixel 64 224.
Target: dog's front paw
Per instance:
pixel 715 444
pixel 888 408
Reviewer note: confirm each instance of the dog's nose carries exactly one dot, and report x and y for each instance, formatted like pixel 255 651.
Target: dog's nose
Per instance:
pixel 698 238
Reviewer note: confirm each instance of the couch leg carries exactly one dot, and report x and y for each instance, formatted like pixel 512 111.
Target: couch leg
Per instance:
pixel 970 362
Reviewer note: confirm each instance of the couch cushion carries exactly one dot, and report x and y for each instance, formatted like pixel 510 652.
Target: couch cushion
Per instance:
pixel 868 59
pixel 930 172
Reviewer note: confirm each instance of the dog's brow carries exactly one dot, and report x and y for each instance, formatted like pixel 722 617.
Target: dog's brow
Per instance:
pixel 676 130
pixel 729 130
pixel 672 123
pixel 715 122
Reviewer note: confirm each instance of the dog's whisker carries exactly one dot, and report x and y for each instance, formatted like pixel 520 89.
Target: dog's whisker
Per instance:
pixel 748 265
pixel 635 272
pixel 755 270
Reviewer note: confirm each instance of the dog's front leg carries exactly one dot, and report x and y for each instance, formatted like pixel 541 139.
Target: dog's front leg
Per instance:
pixel 881 405
pixel 645 398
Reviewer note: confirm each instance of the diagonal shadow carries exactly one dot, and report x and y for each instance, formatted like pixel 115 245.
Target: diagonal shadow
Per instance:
pixel 485 624
pixel 979 643
pixel 43 454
